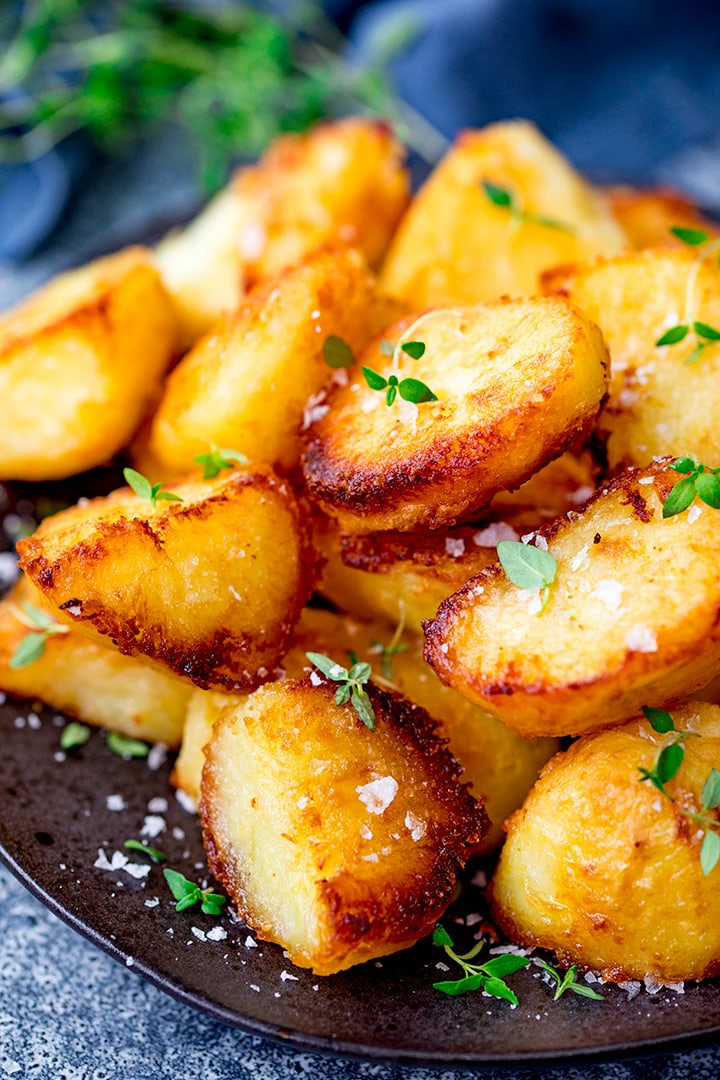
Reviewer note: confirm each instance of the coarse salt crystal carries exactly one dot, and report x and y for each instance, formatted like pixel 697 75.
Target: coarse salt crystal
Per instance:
pixel 378 794
pixel 372 857
pixel 641 639
pixel 185 800
pixel 609 593
pixel 157 805
pixel 218 933
pixel 580 495
pixel 693 514
pixel 287 977
pixel 315 679
pixel 199 934
pixel 157 757
pixel 366 832
pixel 250 942
pixel 153 902
pixel 646 480
pixel 152 826
pixel 581 560
pixel 532 598
pixel 493 534
pixel 416 825
pixel 408 413
pixel 115 802
pixel 453 547
pixel 541 542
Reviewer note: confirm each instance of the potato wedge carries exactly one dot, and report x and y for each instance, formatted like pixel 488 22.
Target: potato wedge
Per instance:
pixel 80 363
pixel 87 681
pixel 658 404
pixel 208 588
pixel 247 383
pixel 605 871
pixel 339 843
pixel 455 246
pixel 631 616
pixel 647 215
pixel 499 371
pixel 340 183
pixel 498 764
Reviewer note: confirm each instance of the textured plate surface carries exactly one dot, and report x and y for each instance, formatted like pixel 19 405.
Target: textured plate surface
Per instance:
pixel 56 817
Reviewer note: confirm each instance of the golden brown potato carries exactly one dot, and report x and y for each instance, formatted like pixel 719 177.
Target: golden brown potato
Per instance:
pixel 80 362
pixel 653 404
pixel 516 382
pixel 86 680
pixel 498 764
pixel 631 616
pixel 247 383
pixel 339 843
pixel 564 483
pixel 455 246
pixel 647 215
pixel 604 870
pixel 209 588
pixel 340 183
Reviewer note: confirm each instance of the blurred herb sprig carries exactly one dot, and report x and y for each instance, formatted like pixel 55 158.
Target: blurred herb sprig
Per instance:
pixel 232 75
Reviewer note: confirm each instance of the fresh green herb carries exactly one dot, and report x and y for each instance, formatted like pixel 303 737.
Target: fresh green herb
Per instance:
pixel 408 389
pixel 74 734
pixel 704 335
pixel 568 981
pixel 351 686
pixel 216 460
pixel 337 353
pixel 415 349
pixel 145 849
pixel 232 76
pixel 505 200
pixel 32 646
pixel 394 647
pixel 528 567
pixel 187 894
pixel 489 976
pixel 125 747
pixel 145 490
pixel 666 767
pixel 698 480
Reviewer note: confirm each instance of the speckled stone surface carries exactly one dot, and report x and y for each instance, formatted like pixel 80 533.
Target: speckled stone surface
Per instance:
pixel 68 1011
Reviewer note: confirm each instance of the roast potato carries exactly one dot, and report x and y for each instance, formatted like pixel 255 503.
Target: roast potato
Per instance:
pixel 246 384
pixel 339 843
pixel 632 616
pixel 455 246
pixel 647 215
pixel 498 764
pixel 516 382
pixel 209 588
pixel 80 362
pixel 86 680
pixel 604 870
pixel 654 403
pixel 340 183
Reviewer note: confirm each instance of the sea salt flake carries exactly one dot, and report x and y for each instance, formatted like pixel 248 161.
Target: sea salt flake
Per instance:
pixel 157 805
pixel 287 977
pixel 218 933
pixel 581 560
pixel 641 639
pixel 493 534
pixel 199 934
pixel 315 679
pixel 115 802
pixel 580 495
pixel 119 861
pixel 532 598
pixel 153 902
pixel 152 826
pixel 541 542
pixel 250 942
pixel 453 547
pixel 185 800
pixel 416 826
pixel 646 480
pixel 378 794
pixel 693 514
pixel 609 593
pixel 157 757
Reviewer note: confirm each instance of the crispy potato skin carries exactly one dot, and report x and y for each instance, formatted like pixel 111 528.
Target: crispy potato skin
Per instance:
pixel 632 617
pixel 87 681
pixel 498 370
pixel 606 872
pixel 498 764
pixel 209 589
pixel 342 182
pixel 80 363
pixel 306 862
pixel 246 384
pixel 647 215
pixel 652 408
pixel 454 246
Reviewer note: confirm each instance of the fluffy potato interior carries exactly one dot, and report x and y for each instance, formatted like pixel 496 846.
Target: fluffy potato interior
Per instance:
pixel 632 614
pixel 654 401
pixel 604 870
pixel 516 382
pixel 210 588
pixel 338 843
pixel 456 246
pixel 246 384
pixel 80 363
pixel 87 681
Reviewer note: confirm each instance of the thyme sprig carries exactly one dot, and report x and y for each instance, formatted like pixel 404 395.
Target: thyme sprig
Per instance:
pixel 352 684
pixel 42 626
pixel 145 490
pixel 489 977
pixel 567 981
pixel 698 480
pixel 704 334
pixel 187 894
pixel 504 199
pixel 528 567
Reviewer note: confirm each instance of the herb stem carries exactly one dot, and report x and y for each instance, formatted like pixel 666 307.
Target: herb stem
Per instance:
pixel 691 284
pixel 409 334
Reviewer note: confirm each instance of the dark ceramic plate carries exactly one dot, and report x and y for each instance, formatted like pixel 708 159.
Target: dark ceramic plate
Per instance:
pixel 55 818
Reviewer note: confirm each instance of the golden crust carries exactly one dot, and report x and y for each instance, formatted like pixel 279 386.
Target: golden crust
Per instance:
pixel 247 383
pixel 652 407
pixel 286 815
pixel 604 870
pixel 455 247
pixel 633 614
pixel 646 215
pixel 87 681
pixel 497 369
pixel 80 363
pixel 209 588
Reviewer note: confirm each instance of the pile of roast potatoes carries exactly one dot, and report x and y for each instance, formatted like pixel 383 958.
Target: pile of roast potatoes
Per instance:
pixel 501 723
